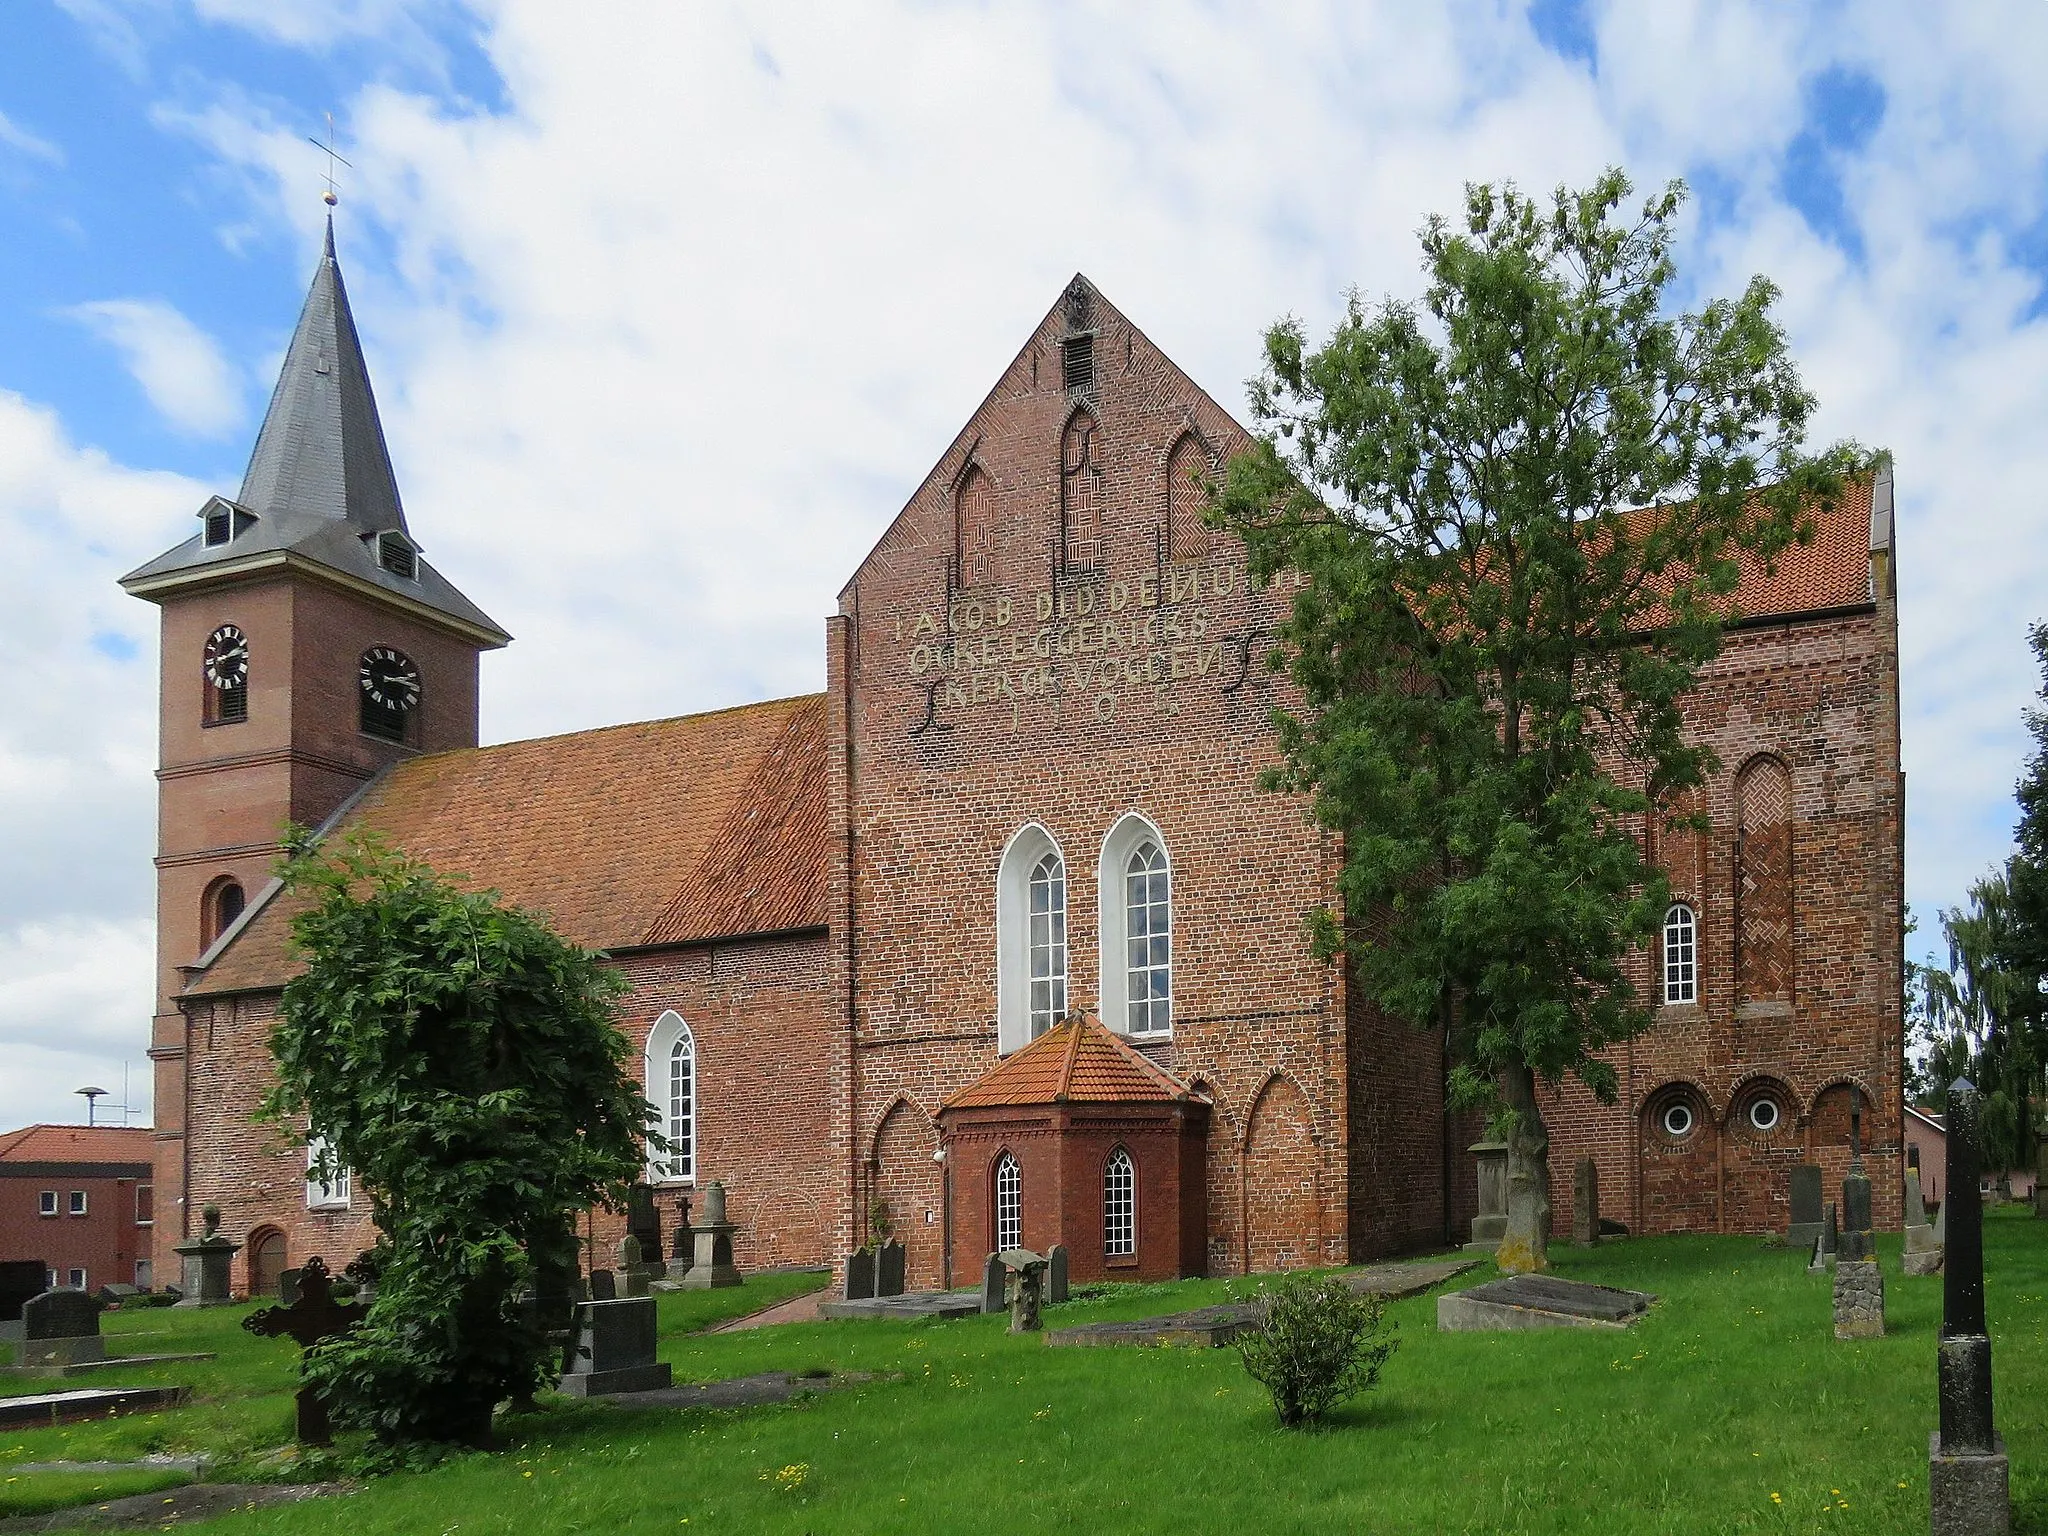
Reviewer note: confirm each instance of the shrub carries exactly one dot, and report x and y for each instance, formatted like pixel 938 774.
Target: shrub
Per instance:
pixel 1315 1343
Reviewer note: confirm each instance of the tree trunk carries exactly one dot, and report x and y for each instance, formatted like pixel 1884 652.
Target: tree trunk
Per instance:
pixel 1525 1246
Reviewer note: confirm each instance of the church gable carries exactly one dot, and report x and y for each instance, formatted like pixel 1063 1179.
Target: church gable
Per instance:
pixel 1066 468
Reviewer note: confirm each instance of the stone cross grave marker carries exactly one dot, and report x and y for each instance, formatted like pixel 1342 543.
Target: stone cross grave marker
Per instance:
pixel 314 1316
pixel 1586 1203
pixel 1969 1480
pixel 1859 1282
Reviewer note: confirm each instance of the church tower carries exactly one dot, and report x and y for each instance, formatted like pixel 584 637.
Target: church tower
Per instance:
pixel 307 645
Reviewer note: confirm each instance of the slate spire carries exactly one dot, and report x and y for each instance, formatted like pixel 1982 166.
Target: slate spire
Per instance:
pixel 321 452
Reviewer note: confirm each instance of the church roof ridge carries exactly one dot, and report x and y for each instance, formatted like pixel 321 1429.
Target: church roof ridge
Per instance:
pixel 652 722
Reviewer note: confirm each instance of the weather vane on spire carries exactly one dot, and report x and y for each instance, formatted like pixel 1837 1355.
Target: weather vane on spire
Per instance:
pixel 328 197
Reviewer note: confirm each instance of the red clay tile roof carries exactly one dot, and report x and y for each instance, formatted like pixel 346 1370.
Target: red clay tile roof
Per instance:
pixel 78 1144
pixel 629 835
pixel 1077 1061
pixel 1830 570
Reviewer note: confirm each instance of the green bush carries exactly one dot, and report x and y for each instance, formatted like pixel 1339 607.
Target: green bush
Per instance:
pixel 1314 1344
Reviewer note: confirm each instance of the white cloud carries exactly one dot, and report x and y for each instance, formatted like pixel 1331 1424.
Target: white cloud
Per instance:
pixel 180 367
pixel 16 137
pixel 68 1018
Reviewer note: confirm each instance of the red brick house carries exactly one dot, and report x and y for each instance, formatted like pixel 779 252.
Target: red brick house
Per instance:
pixel 1029 788
pixel 81 1199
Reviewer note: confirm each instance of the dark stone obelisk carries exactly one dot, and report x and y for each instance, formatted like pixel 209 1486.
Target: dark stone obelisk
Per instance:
pixel 1969 1481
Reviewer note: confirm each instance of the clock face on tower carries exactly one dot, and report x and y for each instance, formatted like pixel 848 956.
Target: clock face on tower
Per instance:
pixel 390 681
pixel 227 657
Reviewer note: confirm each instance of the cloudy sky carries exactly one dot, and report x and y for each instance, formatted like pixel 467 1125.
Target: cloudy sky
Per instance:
pixel 669 307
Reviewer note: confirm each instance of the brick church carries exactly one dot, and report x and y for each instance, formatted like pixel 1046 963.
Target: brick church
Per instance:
pixel 995 941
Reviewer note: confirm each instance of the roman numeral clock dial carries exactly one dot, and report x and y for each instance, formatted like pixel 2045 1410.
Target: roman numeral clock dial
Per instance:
pixel 227 657
pixel 391 690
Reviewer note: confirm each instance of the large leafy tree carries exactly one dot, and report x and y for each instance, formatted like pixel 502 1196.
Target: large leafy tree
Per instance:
pixel 2027 937
pixel 461 1059
pixel 1492 637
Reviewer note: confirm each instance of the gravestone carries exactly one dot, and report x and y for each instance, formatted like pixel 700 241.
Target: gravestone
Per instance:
pixel 60 1327
pixel 19 1280
pixel 1859 1282
pixel 1056 1273
pixel 363 1269
pixel 860 1275
pixel 313 1315
pixel 1491 1224
pixel 1922 1254
pixel 679 1251
pixel 614 1349
pixel 711 1265
pixel 889 1270
pixel 994 1284
pixel 1825 1246
pixel 1804 1226
pixel 604 1285
pixel 1968 1478
pixel 631 1272
pixel 643 1220
pixel 1586 1203
pixel 288 1286
pixel 1516 1302
pixel 205 1279
pixel 1029 1296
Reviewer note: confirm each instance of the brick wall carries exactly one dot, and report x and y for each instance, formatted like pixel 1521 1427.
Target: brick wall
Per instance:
pixel 106 1242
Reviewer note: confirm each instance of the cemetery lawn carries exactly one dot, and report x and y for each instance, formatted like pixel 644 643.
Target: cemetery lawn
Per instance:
pixel 1730 1408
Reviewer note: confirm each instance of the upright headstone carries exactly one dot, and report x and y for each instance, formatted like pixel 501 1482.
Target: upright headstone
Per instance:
pixel 206 1278
pixel 288 1286
pixel 60 1327
pixel 632 1274
pixel 679 1253
pixel 312 1315
pixel 994 1284
pixel 604 1285
pixel 1922 1255
pixel 1586 1203
pixel 860 1275
pixel 614 1349
pixel 1968 1479
pixel 712 1267
pixel 1804 1226
pixel 889 1270
pixel 1056 1273
pixel 1491 1224
pixel 1859 1282
pixel 643 1220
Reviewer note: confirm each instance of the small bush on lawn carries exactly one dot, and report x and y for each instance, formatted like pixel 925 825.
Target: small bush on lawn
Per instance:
pixel 1315 1344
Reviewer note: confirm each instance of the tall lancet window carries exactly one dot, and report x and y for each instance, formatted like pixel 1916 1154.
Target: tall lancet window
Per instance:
pixel 1135 880
pixel 1009 1203
pixel 672 1087
pixel 1031 938
pixel 1119 1206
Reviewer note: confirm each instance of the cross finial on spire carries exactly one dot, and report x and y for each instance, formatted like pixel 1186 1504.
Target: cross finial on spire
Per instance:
pixel 329 197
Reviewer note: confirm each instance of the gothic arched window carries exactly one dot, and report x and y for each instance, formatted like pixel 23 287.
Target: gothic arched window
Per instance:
pixel 672 1087
pixel 220 906
pixel 1135 883
pixel 1681 955
pixel 1009 1203
pixel 1031 938
pixel 1119 1206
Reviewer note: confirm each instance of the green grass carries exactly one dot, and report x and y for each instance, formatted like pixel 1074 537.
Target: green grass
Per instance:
pixel 35 1493
pixel 1732 1390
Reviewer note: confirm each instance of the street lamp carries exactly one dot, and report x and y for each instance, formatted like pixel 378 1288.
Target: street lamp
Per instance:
pixel 92 1098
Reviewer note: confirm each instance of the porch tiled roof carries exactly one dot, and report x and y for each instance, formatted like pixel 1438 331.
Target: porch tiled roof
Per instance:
pixel 1077 1061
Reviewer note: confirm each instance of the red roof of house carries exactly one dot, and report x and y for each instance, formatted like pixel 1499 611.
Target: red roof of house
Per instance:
pixel 78 1144
pixel 1077 1061
pixel 660 832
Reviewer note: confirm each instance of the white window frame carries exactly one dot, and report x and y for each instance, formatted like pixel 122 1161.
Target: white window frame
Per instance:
pixel 1008 1184
pixel 80 1205
pixel 49 1279
pixel 1021 855
pixel 46 1203
pixel 1131 832
pixel 669 1031
pixel 142 1190
pixel 1681 979
pixel 77 1278
pixel 325 1194
pixel 1120 1208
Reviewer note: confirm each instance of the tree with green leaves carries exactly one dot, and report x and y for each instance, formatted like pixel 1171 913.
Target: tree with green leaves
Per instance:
pixel 2027 874
pixel 1978 1025
pixel 462 1060
pixel 1516 512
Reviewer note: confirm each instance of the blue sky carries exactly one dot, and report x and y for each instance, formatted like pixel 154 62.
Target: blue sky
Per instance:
pixel 716 283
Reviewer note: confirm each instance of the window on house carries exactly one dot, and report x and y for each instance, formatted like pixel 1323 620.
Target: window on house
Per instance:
pixel 49 1279
pixel 1135 884
pixel 1681 955
pixel 78 1202
pixel 1119 1206
pixel 1031 938
pixel 46 1203
pixel 220 906
pixel 1009 1203
pixel 672 1088
pixel 77 1280
pixel 1048 941
pixel 145 1205
pixel 327 1180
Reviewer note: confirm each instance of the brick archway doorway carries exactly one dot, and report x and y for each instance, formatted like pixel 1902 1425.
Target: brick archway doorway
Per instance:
pixel 266 1262
pixel 1282 1214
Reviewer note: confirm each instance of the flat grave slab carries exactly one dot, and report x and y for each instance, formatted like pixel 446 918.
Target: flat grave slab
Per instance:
pixel 87 1367
pixel 86 1403
pixel 1214 1327
pixel 169 1507
pixel 908 1307
pixel 740 1391
pixel 1539 1301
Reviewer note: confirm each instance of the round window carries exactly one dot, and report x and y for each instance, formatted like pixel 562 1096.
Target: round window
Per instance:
pixel 1678 1120
pixel 1763 1114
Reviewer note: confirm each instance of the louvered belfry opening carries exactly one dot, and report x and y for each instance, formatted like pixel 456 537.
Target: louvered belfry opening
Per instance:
pixel 397 556
pixel 232 703
pixel 220 526
pixel 1077 364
